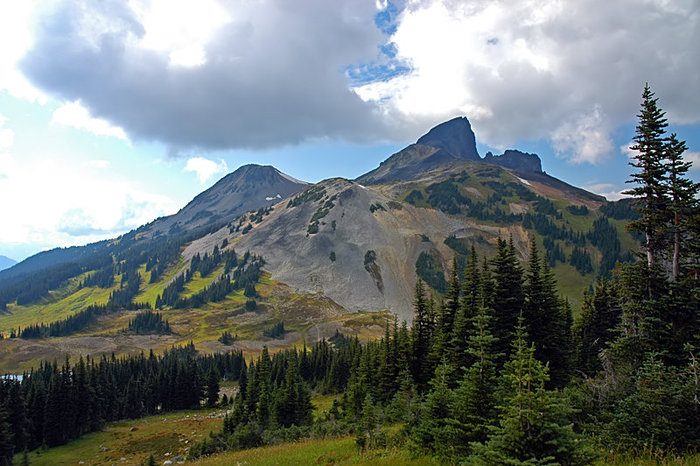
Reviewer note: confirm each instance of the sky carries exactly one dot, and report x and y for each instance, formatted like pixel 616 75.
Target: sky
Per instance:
pixel 114 113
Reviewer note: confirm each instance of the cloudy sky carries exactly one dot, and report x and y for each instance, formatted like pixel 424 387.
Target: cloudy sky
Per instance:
pixel 113 113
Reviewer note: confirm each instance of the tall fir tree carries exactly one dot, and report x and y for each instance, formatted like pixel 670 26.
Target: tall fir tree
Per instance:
pixel 596 325
pixel 534 426
pixel 683 196
pixel 650 194
pixel 474 402
pixel 507 296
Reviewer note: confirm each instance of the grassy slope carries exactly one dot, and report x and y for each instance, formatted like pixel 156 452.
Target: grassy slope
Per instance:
pixel 167 436
pixel 61 304
pixel 171 435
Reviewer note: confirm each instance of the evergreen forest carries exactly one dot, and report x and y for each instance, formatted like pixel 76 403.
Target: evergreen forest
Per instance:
pixel 493 370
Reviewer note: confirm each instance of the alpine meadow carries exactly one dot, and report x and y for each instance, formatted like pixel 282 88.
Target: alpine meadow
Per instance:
pixel 406 232
pixel 495 365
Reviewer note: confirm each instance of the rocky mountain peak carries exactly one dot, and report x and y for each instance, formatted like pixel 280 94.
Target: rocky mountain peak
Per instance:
pixel 248 188
pixel 455 137
pixel 516 160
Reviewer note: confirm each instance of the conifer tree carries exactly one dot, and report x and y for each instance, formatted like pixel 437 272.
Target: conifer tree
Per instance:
pixel 435 432
pixel 17 416
pixel 683 194
pixel 652 201
pixel 533 427
pixel 212 385
pixel 369 427
pixel 7 445
pixel 475 400
pixel 596 324
pixel 459 356
pixel 507 295
pixel 421 340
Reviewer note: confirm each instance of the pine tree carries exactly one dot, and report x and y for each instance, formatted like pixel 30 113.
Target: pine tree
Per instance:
pixel 17 416
pixel 652 201
pixel 369 426
pixel 212 387
pixel 507 295
pixel 533 427
pixel 475 400
pixel 7 445
pixel 421 337
pixel 469 305
pixel 435 432
pixel 596 325
pixel 683 194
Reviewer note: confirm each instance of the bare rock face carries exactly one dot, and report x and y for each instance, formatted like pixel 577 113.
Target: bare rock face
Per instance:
pixel 448 143
pixel 454 137
pixel 521 161
pixel 248 188
pixel 353 244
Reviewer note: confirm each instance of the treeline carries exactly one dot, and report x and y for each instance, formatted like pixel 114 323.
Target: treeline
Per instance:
pixel 55 404
pixel 482 328
pixel 236 274
pixel 497 372
pixel 241 274
pixel 130 249
pixel 149 322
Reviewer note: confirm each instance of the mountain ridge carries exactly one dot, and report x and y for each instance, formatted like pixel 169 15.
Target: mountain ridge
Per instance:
pixel 6 262
pixel 446 144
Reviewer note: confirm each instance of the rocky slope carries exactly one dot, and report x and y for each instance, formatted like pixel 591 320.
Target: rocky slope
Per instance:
pixel 250 187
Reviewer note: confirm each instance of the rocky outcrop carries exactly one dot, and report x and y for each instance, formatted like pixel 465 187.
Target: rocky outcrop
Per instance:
pixel 454 137
pixel 516 160
pixel 447 143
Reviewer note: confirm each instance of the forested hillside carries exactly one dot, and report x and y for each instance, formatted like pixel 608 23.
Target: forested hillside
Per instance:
pixel 492 368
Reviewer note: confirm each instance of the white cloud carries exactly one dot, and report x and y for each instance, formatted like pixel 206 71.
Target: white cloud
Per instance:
pixel 75 115
pixel 74 205
pixel 584 138
pixel 7 136
pixel 205 168
pixel 100 163
pixel 180 28
pixel 521 70
pixel 693 157
pixel 15 40
pixel 211 74
pixel 240 74
pixel 610 191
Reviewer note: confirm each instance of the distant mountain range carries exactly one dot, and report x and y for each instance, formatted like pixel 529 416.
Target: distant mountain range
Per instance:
pixel 6 262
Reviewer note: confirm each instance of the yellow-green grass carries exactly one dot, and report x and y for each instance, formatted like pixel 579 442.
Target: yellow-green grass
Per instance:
pixel 198 283
pixel 134 440
pixel 322 404
pixel 150 291
pixel 314 451
pixel 571 284
pixel 648 459
pixel 61 303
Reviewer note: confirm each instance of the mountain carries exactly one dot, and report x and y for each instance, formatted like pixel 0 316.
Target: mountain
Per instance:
pixel 328 250
pixel 516 160
pixel 250 187
pixel 445 145
pixel 449 142
pixel 6 262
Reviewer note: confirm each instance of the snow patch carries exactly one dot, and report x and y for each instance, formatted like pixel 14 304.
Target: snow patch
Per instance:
pixel 523 181
pixel 268 198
